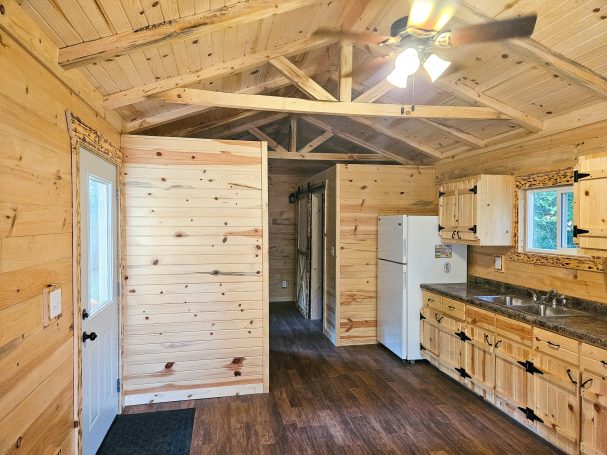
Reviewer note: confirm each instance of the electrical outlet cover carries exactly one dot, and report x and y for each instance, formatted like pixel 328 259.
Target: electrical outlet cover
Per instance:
pixel 55 304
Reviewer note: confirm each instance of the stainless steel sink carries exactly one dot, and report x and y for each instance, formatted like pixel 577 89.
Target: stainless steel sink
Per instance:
pixel 526 305
pixel 547 310
pixel 505 300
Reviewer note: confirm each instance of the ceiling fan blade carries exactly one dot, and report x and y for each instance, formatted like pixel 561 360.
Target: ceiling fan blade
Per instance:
pixel 372 66
pixel 365 38
pixel 493 31
pixel 431 15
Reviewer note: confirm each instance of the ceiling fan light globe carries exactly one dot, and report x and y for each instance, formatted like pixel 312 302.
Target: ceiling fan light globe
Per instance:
pixel 435 66
pixel 407 62
pixel 397 78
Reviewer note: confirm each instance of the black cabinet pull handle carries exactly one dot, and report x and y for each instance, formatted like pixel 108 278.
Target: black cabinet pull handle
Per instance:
pixel 89 336
pixel 452 308
pixel 604 363
pixel 497 343
pixel 570 377
pixel 553 345
pixel 487 340
pixel 585 383
pixel 438 319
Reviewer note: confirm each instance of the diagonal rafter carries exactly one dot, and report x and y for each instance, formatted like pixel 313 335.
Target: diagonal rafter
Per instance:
pixel 189 27
pixel 324 137
pixel 271 142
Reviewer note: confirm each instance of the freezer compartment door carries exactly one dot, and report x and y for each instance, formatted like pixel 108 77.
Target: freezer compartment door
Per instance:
pixel 392 238
pixel 391 306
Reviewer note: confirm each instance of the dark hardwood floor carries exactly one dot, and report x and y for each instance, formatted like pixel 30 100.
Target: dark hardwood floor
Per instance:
pixel 351 400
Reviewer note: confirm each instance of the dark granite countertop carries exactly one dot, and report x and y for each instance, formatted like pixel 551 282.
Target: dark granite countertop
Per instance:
pixel 588 325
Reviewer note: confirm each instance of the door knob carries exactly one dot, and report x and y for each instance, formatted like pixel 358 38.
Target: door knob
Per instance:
pixel 89 336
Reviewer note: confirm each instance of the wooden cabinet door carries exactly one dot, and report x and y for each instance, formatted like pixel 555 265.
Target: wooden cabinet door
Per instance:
pixel 466 209
pixel 511 378
pixel 479 361
pixel 593 438
pixel 555 400
pixel 430 335
pixel 590 204
pixel 447 210
pixel 450 347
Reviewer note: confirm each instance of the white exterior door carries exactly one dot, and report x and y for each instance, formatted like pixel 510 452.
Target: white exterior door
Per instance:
pixel 99 272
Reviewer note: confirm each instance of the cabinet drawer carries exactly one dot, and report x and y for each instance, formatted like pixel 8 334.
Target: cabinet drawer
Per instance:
pixel 480 318
pixel 433 300
pixel 594 359
pixel 433 317
pixel 556 371
pixel 454 309
pixel 514 330
pixel 550 343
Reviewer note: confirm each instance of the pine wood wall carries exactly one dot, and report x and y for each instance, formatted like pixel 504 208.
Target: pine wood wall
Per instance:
pixel 36 363
pixel 551 153
pixel 196 306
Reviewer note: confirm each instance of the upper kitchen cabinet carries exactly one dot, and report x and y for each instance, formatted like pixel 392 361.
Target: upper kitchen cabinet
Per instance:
pixel 477 210
pixel 590 205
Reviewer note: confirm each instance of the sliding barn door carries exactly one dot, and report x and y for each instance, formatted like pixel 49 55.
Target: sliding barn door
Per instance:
pixel 304 228
pixel 196 269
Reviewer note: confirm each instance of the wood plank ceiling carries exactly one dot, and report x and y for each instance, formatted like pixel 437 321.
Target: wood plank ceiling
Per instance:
pixel 134 50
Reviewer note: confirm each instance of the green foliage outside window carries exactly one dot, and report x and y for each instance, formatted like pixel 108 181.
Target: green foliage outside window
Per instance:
pixel 545 222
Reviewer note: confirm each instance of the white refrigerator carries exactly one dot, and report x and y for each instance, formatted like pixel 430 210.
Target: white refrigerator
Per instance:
pixel 409 253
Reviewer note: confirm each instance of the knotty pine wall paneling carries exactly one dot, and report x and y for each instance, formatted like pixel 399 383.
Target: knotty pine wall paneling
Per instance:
pixel 196 272
pixel 367 191
pixel 36 363
pixel 356 195
pixel 556 152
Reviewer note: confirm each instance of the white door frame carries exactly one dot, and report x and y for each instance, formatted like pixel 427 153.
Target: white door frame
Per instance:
pixel 76 145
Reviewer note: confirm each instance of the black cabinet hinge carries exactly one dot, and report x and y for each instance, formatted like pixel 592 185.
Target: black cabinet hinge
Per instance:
pixel 577 231
pixel 530 415
pixel 474 189
pixel 530 367
pixel 421 317
pixel 473 229
pixel 579 175
pixel 421 347
pixel 440 228
pixel 441 193
pixel 463 373
pixel 118 385
pixel 76 424
pixel 462 336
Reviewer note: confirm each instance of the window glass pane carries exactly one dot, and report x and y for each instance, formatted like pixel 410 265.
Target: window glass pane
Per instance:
pixel 100 243
pixel 567 220
pixel 543 235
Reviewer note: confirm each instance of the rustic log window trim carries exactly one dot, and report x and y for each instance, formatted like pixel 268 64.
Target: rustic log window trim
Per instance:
pixel 546 179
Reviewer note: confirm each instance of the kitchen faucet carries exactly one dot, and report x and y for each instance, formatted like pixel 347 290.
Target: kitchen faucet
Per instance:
pixel 550 296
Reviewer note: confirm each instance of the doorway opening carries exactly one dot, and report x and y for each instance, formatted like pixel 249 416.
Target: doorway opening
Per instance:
pixel 311 231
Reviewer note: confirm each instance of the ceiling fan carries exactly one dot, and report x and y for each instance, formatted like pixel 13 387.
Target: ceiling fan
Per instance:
pixel 414 37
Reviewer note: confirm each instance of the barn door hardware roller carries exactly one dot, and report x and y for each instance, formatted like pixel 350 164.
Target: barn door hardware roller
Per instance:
pixel 293 197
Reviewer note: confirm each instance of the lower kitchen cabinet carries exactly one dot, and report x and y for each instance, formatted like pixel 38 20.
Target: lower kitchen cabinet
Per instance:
pixel 593 387
pixel 555 401
pixel 550 383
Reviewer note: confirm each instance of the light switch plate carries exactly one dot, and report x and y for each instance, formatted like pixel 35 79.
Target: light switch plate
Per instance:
pixel 285 284
pixel 498 263
pixel 51 303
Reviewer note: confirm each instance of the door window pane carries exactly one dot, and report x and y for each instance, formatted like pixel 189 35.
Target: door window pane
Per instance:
pixel 100 243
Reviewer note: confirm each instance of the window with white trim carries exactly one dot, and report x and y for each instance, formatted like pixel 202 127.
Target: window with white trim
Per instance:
pixel 547 220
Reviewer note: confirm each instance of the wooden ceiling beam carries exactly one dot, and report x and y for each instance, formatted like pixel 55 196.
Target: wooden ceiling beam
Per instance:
pixel 293 134
pixel 302 106
pixel 146 122
pixel 186 132
pixel 190 27
pixel 559 124
pixel 327 156
pixel 520 118
pixel 298 77
pixel 351 138
pixel 466 137
pixel 239 129
pixel 271 142
pixel 375 92
pixel 218 71
pixel 543 56
pixel 345 72
pixel 324 137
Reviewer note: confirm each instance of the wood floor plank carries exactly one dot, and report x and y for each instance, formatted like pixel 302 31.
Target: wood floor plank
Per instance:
pixel 350 400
